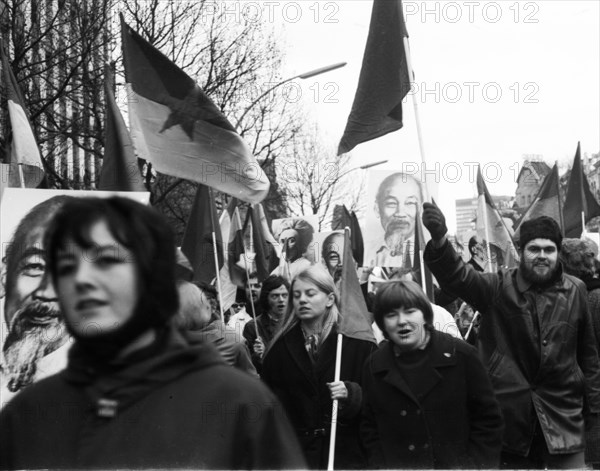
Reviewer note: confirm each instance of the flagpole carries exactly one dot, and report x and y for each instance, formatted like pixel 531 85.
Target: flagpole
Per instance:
pixel 215 250
pixel 471 326
pixel 409 68
pixel 487 233
pixel 21 177
pixel 336 376
pixel 248 277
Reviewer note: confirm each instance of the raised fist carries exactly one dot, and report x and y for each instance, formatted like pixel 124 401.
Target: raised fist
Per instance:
pixel 434 221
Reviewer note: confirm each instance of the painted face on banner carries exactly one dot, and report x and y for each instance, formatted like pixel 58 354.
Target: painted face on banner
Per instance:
pixel 398 204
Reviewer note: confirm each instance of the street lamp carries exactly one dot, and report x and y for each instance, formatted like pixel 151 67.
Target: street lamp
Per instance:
pixel 362 167
pixel 305 75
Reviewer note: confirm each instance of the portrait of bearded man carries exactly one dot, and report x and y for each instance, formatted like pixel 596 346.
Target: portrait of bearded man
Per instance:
pixel 398 199
pixel 37 341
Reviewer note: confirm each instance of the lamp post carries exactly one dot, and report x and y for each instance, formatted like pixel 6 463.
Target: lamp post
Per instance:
pixel 362 167
pixel 305 75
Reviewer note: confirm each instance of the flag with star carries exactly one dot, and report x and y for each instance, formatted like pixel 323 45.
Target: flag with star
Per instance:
pixel 177 128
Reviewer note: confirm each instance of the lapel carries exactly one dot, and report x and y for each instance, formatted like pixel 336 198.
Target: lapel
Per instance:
pixel 441 355
pixel 294 342
pixel 326 359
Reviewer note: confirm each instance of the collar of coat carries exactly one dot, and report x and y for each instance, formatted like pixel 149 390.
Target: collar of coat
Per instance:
pixel 441 354
pixel 124 381
pixel 294 342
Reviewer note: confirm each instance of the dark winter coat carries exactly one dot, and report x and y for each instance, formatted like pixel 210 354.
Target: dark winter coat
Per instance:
pixel 538 346
pixel 177 407
pixel 454 423
pixel 266 329
pixel 301 388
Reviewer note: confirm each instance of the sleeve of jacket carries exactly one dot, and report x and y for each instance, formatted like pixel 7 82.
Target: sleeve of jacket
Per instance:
pixel 243 361
pixel 460 279
pixel 351 407
pixel 273 443
pixel 369 432
pixel 587 355
pixel 485 417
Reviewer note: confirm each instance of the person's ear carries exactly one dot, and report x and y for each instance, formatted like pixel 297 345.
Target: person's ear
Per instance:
pixel 330 299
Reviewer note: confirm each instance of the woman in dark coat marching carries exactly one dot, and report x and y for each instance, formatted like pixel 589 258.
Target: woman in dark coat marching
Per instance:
pixel 135 394
pixel 299 367
pixel 428 402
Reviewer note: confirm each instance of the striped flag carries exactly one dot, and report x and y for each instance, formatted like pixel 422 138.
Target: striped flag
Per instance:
pixel 177 128
pixel 24 149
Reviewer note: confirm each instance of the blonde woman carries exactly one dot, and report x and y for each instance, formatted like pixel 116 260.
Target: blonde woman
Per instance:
pixel 299 367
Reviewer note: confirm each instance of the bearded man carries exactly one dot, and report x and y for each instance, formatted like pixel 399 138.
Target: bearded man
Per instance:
pixel 37 341
pixel 536 339
pixel 398 197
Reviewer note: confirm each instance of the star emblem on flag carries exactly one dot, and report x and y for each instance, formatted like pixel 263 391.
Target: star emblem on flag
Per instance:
pixel 193 107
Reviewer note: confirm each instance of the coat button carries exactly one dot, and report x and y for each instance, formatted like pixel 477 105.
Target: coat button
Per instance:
pixel 402 413
pixel 544 343
pixel 411 448
pixel 425 446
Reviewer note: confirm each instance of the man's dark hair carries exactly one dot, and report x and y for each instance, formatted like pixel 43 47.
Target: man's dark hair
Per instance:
pixel 271 283
pixel 39 215
pixel 140 229
pixel 473 242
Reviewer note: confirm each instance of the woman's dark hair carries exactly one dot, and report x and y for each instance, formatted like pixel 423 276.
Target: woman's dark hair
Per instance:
pixel 140 229
pixel 396 294
pixel 271 283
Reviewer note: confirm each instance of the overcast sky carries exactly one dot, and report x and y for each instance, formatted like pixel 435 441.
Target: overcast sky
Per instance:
pixel 504 78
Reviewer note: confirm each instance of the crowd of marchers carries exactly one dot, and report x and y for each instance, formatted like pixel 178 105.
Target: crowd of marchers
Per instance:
pixel 116 358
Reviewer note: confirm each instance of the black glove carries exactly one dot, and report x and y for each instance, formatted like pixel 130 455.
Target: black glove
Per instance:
pixel 434 221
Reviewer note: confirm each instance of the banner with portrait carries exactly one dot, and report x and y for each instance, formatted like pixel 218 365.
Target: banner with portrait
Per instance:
pixel 394 201
pixel 32 209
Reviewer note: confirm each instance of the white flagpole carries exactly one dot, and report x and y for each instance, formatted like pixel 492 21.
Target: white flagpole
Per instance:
pixel 336 377
pixel 248 279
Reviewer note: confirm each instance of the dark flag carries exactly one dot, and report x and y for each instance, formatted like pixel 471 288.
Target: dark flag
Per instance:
pixel 384 80
pixel 265 257
pixel 546 202
pixel 490 223
pixel 177 128
pixel 579 200
pixel 418 258
pixel 197 244
pixel 358 245
pixel 353 318
pixel 120 171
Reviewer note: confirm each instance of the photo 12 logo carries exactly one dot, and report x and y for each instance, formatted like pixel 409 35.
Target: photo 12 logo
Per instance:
pixel 270 12
pixel 471 12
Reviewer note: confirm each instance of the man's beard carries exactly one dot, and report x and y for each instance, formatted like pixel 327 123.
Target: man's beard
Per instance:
pixel 530 275
pixel 36 331
pixel 395 237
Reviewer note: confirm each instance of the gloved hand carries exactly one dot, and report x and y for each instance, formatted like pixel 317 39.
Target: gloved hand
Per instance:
pixel 434 221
